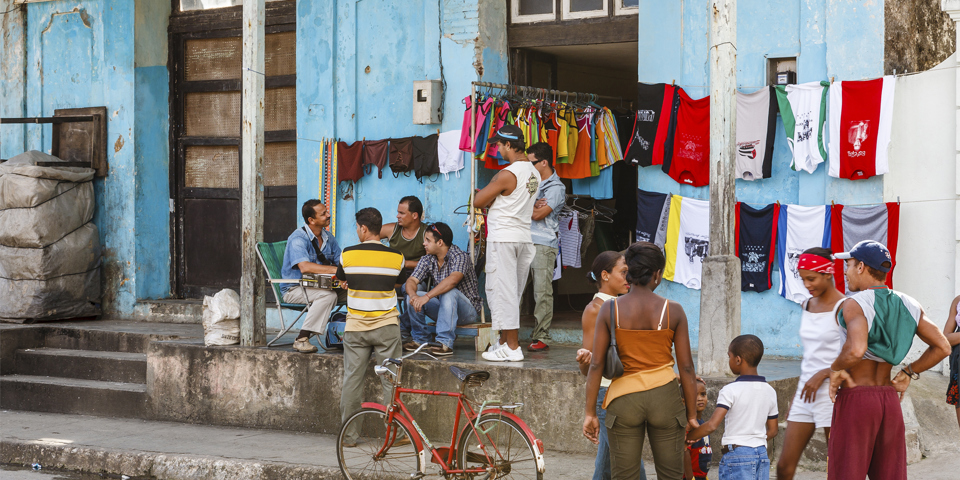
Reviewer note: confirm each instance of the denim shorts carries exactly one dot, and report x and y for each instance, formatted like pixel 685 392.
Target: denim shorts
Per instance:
pixel 745 463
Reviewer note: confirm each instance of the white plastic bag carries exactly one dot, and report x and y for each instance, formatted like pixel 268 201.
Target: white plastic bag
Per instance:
pixel 221 318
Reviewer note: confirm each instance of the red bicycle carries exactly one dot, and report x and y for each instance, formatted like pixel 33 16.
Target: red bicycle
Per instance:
pixel 379 442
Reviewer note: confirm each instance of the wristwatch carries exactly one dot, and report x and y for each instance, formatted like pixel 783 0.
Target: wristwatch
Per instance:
pixel 909 372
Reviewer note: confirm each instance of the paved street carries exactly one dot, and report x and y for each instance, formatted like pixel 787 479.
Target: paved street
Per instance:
pixel 192 450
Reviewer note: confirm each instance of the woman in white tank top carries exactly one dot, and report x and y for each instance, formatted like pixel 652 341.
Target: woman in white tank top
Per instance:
pixel 609 274
pixel 822 341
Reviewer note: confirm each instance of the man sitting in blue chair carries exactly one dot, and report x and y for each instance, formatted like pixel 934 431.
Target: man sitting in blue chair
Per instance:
pixel 311 249
pixel 455 298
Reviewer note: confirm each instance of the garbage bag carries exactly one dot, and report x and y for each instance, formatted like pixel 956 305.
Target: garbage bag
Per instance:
pixel 221 318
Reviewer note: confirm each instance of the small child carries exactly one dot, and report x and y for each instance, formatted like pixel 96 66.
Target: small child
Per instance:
pixel 750 407
pixel 698 456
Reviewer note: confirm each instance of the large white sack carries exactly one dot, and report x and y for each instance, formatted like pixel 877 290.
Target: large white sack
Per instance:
pixel 78 252
pixel 62 297
pixel 221 318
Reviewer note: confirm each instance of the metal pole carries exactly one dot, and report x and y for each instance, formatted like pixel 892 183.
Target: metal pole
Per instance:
pixel 504 86
pixel 253 322
pixel 720 294
pixel 473 177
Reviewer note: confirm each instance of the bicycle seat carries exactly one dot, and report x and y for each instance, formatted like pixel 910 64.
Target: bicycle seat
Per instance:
pixel 469 375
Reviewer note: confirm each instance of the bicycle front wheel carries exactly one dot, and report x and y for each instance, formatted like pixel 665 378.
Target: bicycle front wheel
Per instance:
pixel 501 445
pixel 377 453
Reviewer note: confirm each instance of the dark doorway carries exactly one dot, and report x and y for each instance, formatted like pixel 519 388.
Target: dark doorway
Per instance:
pixel 206 56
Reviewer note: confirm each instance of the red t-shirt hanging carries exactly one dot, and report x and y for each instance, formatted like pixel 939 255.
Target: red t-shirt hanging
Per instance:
pixel 690 160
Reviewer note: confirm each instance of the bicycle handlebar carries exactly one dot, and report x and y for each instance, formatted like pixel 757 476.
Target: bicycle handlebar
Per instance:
pixel 399 361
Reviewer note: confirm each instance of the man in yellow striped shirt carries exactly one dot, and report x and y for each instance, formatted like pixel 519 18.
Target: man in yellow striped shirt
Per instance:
pixel 372 272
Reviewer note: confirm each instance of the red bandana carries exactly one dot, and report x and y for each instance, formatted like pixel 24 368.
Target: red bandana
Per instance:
pixel 815 263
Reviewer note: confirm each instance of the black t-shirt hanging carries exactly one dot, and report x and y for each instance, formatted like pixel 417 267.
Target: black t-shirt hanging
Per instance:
pixel 639 150
pixel 756 236
pixel 653 213
pixel 426 161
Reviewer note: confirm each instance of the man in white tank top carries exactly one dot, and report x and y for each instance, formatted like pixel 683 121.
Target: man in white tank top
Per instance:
pixel 510 251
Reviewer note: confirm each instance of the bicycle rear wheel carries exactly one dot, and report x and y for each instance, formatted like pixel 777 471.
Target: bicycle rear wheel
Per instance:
pixel 508 449
pixel 364 460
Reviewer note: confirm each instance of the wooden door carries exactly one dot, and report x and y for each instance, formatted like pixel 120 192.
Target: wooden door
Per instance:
pixel 206 50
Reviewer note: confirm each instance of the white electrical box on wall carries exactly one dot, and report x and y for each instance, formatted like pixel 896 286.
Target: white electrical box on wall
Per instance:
pixel 426 101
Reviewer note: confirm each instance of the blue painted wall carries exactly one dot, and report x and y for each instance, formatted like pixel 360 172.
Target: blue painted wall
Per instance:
pixel 82 54
pixel 337 97
pixel 830 38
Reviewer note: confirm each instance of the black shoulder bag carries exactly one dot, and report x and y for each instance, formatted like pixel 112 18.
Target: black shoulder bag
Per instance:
pixel 613 368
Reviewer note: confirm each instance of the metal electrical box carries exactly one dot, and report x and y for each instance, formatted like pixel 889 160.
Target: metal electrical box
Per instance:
pixel 426 101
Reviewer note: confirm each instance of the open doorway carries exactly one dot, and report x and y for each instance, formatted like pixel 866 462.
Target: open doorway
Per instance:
pixel 609 70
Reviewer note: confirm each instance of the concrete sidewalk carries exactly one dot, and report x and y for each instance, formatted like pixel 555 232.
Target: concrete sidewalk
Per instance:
pixel 165 450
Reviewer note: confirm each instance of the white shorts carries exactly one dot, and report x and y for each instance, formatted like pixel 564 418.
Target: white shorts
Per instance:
pixel 819 413
pixel 507 267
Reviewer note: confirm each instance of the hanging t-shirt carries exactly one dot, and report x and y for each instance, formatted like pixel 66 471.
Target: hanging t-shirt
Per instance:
pixel 425 160
pixel 349 161
pixel 580 168
pixel 639 150
pixel 665 123
pixel 401 155
pixel 570 240
pixel 756 237
pixel 688 240
pixel 375 153
pixel 483 126
pixel 861 117
pixel 653 215
pixel 803 109
pixel 756 122
pixel 599 187
pixel 799 228
pixel 450 156
pixel 851 225
pixel 689 162
pixel 466 143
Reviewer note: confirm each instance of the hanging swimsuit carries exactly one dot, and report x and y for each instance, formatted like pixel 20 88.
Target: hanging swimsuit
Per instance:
pixel 375 153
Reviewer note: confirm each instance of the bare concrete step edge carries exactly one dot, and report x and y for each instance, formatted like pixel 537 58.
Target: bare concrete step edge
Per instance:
pixel 162 466
pixel 83 364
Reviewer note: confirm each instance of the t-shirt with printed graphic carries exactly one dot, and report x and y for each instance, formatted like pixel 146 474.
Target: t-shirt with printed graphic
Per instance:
pixel 799 228
pixel 700 457
pixel 803 108
pixel 688 240
pixel 510 216
pixel 756 119
pixel 861 118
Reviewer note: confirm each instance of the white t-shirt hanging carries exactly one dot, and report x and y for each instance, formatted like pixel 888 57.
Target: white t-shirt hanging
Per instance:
pixel 861 117
pixel 448 151
pixel 688 240
pixel 799 228
pixel 805 118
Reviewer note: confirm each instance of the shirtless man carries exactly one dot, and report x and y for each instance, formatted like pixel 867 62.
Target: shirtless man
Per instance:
pixel 867 436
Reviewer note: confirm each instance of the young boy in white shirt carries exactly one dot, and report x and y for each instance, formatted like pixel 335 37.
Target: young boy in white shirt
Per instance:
pixel 750 407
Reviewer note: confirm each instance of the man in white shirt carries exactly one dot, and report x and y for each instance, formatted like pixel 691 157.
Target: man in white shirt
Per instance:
pixel 510 195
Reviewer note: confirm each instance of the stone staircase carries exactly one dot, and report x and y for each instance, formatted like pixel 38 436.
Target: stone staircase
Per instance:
pixel 77 371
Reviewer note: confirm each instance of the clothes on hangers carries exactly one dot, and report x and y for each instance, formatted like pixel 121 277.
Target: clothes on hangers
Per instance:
pixel 688 240
pixel 756 122
pixel 756 239
pixel 599 187
pixel 799 228
pixel 803 109
pixel 851 225
pixel 861 117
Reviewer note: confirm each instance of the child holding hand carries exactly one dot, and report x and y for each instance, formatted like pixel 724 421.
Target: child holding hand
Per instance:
pixel 749 406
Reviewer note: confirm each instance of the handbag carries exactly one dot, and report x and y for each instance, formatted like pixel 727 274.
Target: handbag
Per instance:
pixel 613 368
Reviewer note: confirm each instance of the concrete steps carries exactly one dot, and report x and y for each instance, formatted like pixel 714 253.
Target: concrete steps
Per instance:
pixel 77 371
pixel 120 367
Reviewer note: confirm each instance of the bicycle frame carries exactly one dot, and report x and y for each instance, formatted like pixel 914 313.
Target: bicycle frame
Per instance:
pixel 398 411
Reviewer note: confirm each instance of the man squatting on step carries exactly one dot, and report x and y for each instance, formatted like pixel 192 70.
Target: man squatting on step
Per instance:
pixel 867 436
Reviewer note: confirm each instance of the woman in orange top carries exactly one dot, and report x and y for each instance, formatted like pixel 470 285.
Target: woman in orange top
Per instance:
pixel 645 400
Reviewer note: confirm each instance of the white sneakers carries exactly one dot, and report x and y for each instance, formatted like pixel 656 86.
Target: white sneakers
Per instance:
pixel 502 353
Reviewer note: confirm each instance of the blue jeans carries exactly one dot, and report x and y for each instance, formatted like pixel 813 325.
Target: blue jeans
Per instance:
pixel 601 466
pixel 449 310
pixel 745 463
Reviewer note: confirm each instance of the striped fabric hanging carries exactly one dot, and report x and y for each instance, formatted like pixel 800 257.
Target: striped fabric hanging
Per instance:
pixel 333 196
